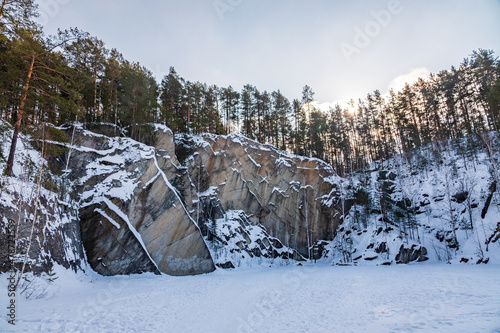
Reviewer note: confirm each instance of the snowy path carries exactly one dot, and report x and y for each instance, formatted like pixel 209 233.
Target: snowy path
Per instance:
pixel 420 298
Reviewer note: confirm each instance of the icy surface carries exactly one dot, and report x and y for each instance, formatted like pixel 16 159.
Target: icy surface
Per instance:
pixel 412 298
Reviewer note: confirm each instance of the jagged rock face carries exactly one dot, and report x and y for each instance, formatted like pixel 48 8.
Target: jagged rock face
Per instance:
pixel 407 255
pixel 37 229
pixel 290 196
pixel 132 218
pixel 141 210
pixel 139 204
pixel 56 236
pixel 235 242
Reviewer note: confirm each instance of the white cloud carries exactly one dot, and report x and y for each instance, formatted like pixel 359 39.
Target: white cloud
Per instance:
pixel 325 106
pixel 399 82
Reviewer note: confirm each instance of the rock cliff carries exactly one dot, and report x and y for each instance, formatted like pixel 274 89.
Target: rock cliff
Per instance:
pixel 37 228
pixel 133 218
pixel 148 207
pixel 153 206
pixel 185 204
pixel 290 196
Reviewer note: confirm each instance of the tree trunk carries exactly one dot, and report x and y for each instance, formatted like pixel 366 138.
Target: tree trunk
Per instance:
pixel 35 210
pixel 3 7
pixel 96 108
pixel 20 116
pixel 189 117
pixel 227 116
pixel 132 134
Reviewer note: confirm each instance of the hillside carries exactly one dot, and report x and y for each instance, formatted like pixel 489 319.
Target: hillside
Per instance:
pixel 439 203
pixel 186 204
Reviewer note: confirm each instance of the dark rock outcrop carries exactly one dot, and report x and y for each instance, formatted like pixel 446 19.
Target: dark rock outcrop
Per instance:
pixel 415 252
pixel 56 233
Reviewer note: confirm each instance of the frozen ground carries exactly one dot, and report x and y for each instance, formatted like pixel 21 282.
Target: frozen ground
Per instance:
pixel 411 298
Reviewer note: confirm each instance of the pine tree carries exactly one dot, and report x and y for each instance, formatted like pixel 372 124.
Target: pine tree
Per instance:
pixel 88 56
pixel 281 126
pixel 138 97
pixel 17 15
pixel 247 111
pixel 229 100
pixel 318 130
pixel 110 86
pixel 45 77
pixel 171 97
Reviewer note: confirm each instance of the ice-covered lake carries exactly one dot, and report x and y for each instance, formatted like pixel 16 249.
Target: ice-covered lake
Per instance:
pixel 408 298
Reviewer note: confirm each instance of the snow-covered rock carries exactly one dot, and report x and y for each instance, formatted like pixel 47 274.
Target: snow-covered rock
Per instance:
pixel 37 228
pixel 235 242
pixel 438 203
pixel 290 196
pixel 185 204
pixel 133 218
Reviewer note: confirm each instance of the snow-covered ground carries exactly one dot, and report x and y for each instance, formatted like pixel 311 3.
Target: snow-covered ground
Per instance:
pixel 309 298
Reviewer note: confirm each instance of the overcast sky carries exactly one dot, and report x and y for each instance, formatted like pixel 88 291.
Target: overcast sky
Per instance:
pixel 342 49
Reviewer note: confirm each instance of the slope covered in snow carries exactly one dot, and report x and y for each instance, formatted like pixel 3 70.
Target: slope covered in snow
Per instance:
pixel 42 211
pixel 439 203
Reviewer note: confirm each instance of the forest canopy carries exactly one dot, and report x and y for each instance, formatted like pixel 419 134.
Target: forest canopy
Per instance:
pixel 74 77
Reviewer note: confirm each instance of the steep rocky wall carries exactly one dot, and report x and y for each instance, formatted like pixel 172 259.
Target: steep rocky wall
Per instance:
pixel 158 189
pixel 290 196
pixel 36 227
pixel 145 207
pixel 55 238
pixel 132 217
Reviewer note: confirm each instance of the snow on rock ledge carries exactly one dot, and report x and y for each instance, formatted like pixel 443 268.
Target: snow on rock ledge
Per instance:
pixel 290 196
pixel 132 217
pixel 55 235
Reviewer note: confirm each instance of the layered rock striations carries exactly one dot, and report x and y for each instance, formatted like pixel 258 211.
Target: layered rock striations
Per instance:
pixel 153 206
pixel 183 204
pixel 147 207
pixel 132 216
pixel 290 196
